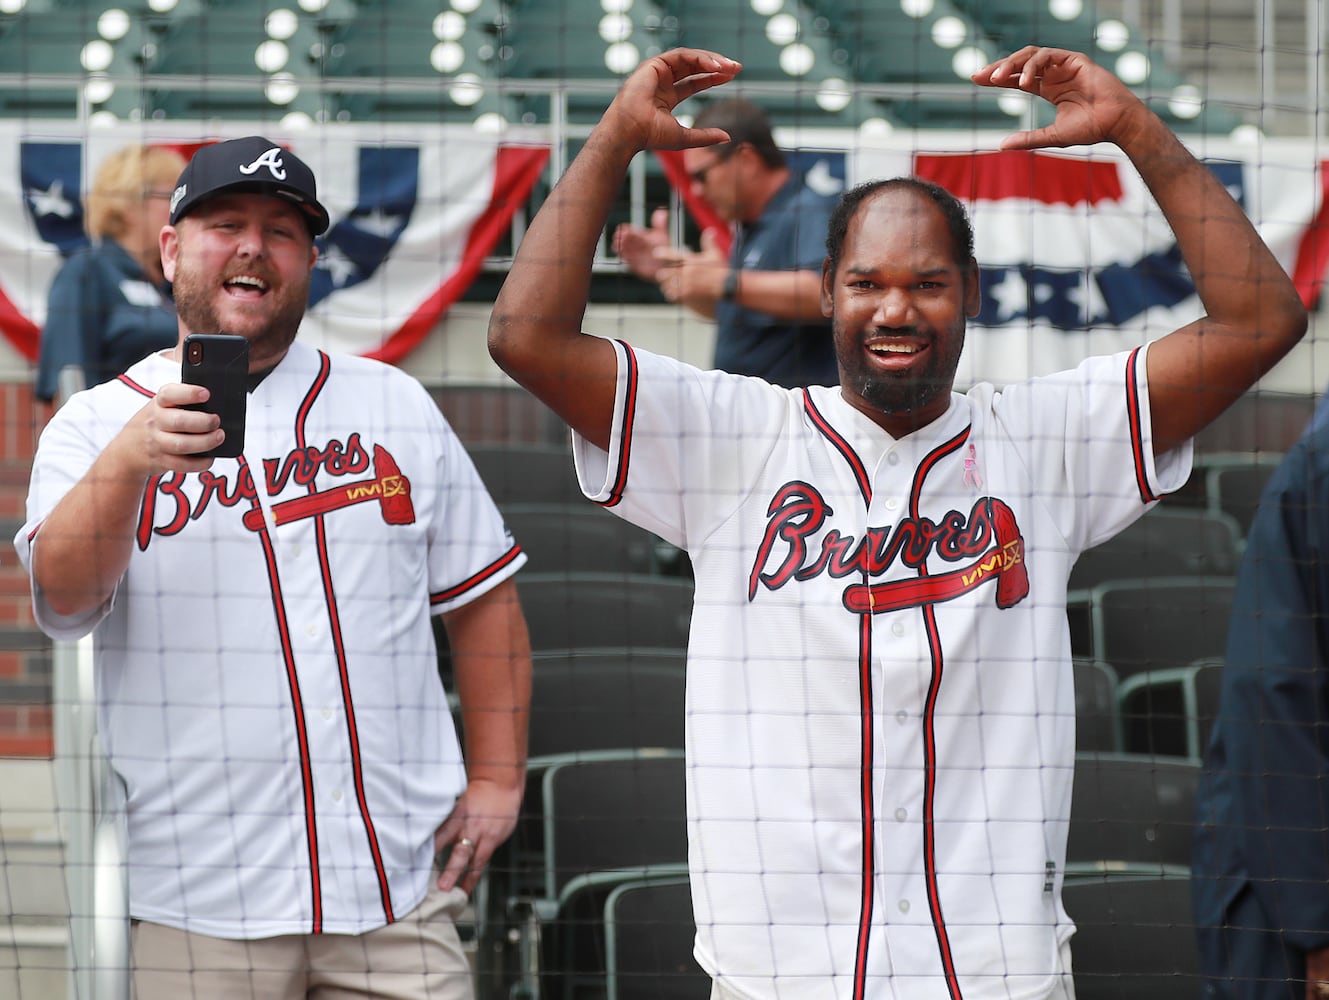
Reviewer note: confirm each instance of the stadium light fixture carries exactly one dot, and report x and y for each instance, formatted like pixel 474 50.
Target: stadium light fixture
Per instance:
pixel 615 28
pixel 622 58
pixel 281 24
pixel 98 89
pixel 113 24
pixel 449 26
pixel 833 95
pixel 916 9
pixel 968 61
pixel 96 56
pixel 1111 35
pixel 1065 10
pixel 466 90
pixel 949 32
pixel 281 89
pixel 271 55
pixel 447 57
pixel 797 59
pixel 1186 101
pixel 1133 68
pixel 782 29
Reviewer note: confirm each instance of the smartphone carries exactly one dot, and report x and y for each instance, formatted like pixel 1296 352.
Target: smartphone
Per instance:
pixel 220 363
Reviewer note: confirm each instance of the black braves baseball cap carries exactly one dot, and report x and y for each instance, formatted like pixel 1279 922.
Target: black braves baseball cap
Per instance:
pixel 251 164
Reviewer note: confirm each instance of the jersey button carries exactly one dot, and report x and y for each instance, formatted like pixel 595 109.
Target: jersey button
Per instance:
pixel 898 628
pixel 893 459
pixel 336 795
pixel 311 630
pixel 904 906
pixel 327 713
pixel 901 814
pixel 902 717
pixel 893 503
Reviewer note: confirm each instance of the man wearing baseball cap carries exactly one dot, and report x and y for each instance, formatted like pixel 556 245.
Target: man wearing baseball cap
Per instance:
pixel 267 677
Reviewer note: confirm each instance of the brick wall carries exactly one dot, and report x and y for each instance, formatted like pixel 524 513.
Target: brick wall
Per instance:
pixel 25 654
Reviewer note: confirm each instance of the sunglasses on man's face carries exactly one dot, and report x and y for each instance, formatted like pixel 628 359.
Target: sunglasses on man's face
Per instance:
pixel 698 176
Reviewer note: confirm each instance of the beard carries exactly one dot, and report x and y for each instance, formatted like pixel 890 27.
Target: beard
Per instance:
pixel 269 339
pixel 902 393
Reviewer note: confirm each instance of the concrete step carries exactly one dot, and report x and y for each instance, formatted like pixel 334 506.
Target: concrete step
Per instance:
pixel 34 907
pixel 34 961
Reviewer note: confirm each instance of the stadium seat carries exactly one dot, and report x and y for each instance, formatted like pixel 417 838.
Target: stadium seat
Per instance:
pixel 783 68
pixel 42 42
pixel 605 699
pixel 527 474
pixel 1229 482
pixel 1154 623
pixel 1135 937
pixel 1132 808
pixel 588 610
pixel 1013 24
pixel 649 933
pixel 404 62
pixel 1234 484
pixel 217 45
pixel 1166 542
pixel 605 819
pixel 1170 711
pixel 580 538
pixel 1096 726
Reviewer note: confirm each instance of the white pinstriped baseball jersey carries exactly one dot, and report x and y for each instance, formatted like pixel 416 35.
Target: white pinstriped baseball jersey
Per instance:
pixel 266 670
pixel 881 713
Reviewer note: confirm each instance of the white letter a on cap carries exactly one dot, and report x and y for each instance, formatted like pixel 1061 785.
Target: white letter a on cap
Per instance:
pixel 272 160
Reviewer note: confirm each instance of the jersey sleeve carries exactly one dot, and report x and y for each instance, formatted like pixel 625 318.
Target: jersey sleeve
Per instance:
pixel 68 446
pixel 686 444
pixel 1086 438
pixel 471 550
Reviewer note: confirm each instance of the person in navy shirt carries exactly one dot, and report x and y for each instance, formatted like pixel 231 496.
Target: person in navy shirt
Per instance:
pixel 109 305
pixel 765 297
pixel 1260 867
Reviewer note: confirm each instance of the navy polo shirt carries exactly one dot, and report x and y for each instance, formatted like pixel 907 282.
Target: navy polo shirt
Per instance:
pixel 790 235
pixel 103 314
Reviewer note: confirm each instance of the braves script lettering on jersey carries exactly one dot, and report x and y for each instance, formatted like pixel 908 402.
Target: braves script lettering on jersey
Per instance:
pixel 880 703
pixel 266 671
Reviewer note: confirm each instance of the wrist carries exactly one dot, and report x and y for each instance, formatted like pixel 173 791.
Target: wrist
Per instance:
pixel 729 290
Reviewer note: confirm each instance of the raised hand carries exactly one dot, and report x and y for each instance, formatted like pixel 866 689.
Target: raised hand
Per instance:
pixel 642 113
pixel 637 246
pixel 1092 104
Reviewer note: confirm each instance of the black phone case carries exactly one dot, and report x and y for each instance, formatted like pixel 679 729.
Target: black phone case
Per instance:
pixel 224 370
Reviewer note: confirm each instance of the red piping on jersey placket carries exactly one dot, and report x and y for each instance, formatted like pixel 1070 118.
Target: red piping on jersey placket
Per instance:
pixel 867 715
pixel 930 736
pixel 298 710
pixel 1133 405
pixel 339 648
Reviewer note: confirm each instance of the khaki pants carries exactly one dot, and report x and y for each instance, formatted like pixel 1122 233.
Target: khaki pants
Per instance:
pixel 417 958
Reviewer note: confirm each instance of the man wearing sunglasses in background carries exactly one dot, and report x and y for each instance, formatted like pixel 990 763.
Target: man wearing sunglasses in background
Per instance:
pixel 765 296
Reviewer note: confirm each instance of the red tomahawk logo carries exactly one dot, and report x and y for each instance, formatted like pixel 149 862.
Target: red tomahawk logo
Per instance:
pixel 1004 561
pixel 389 487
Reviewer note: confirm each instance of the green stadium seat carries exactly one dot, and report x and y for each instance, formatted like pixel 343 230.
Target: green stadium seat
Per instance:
pixel 396 44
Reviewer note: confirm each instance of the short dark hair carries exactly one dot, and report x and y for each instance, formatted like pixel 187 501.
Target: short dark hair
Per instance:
pixel 957 219
pixel 746 123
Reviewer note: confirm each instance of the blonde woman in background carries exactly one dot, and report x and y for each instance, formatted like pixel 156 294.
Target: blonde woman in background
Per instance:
pixel 109 305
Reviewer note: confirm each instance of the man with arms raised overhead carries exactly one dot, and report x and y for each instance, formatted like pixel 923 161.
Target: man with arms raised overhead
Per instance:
pixel 880 703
